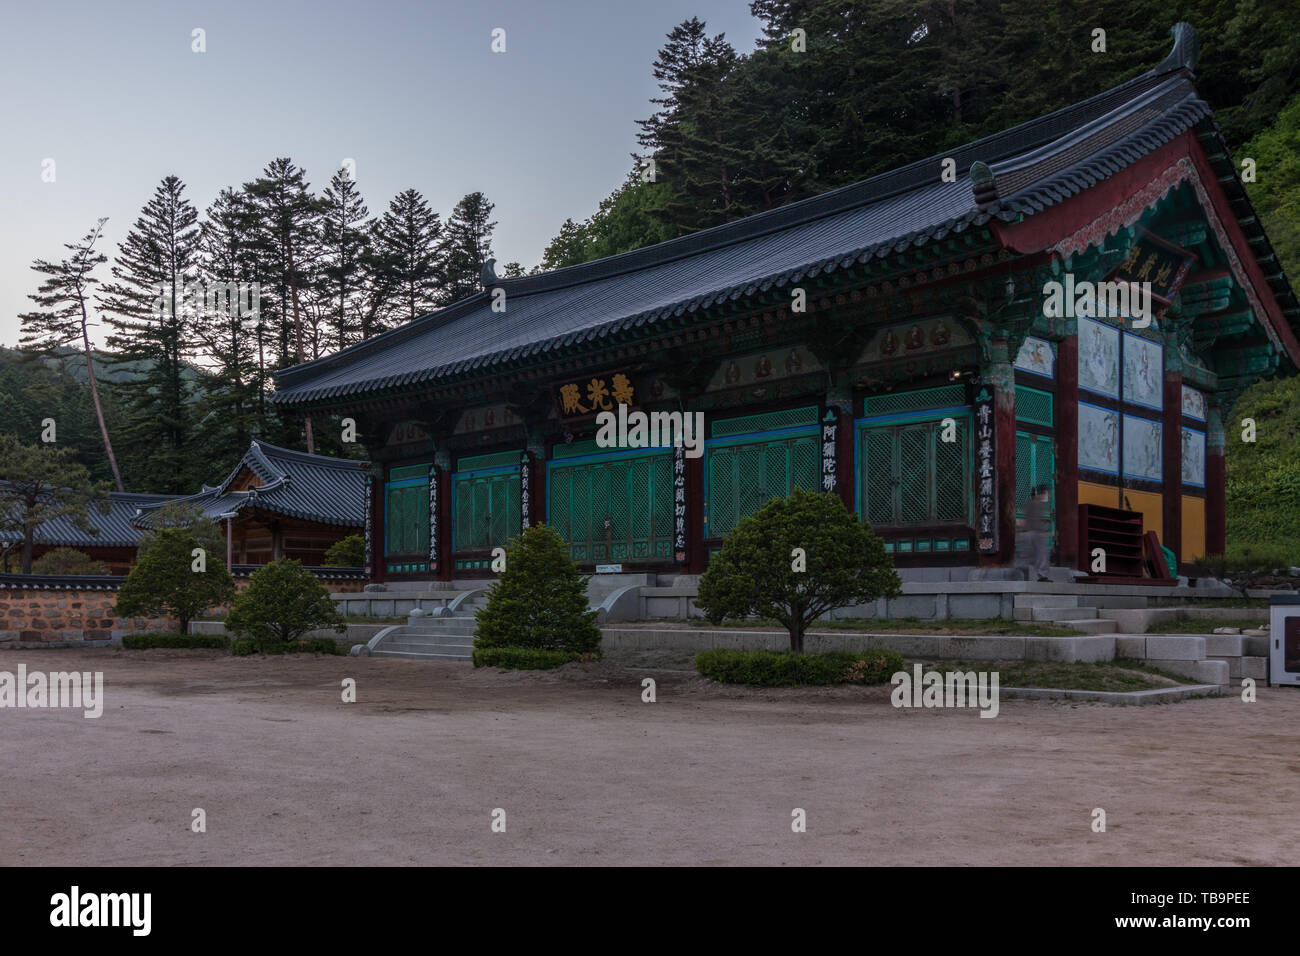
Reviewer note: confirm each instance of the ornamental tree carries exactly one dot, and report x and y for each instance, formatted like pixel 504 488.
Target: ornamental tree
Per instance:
pixel 794 560
pixel 39 483
pixel 283 602
pixel 169 578
pixel 540 599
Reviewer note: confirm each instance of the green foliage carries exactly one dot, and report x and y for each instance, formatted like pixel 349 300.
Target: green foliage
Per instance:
pixel 181 514
pixel 349 552
pixel 1263 478
pixel 142 642
pixel 1276 190
pixel 754 572
pixel 528 658
pixel 40 483
pixel 67 561
pixel 540 600
pixel 163 580
pixel 282 602
pixel 316 645
pixel 780 669
pixel 1245 559
pixel 243 647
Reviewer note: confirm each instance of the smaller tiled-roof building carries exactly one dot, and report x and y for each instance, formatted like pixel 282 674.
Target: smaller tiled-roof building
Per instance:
pixel 280 503
pixel 114 545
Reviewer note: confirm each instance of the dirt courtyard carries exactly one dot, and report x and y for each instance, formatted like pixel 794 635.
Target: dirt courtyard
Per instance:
pixel 587 773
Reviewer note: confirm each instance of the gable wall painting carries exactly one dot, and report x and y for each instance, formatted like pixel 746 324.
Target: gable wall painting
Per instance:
pixel 1193 403
pixel 1098 439
pixel 1142 448
pixel 1036 357
pixel 1144 372
pixel 1098 358
pixel 1193 457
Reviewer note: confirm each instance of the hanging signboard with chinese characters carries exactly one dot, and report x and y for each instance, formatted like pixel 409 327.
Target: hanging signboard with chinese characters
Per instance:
pixel 601 393
pixel 433 517
pixel 1152 259
pixel 369 500
pixel 525 490
pixel 986 496
pixel 679 503
pixel 830 426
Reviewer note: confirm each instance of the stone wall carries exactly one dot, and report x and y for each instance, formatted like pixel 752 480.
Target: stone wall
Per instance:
pixel 33 612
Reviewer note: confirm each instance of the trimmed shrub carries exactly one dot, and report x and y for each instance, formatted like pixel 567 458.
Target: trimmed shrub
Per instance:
pixel 164 581
pixel 349 552
pixel 528 658
pixel 243 647
pixel 141 642
pixel 785 669
pixel 792 561
pixel 540 600
pixel 67 561
pixel 283 602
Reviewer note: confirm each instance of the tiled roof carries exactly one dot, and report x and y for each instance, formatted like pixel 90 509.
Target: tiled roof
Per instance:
pixel 294 484
pixel 115 528
pixel 1007 176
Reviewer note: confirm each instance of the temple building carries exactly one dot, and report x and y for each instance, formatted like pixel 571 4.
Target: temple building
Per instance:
pixel 892 341
pixel 277 503
pixel 113 542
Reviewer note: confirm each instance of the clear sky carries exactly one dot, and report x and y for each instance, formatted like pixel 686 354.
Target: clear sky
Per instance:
pixel 112 92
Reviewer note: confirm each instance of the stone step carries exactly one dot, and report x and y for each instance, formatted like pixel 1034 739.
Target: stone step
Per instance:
pixel 422 655
pixel 1099 625
pixel 1106 601
pixel 1062 613
pixel 405 647
pixel 1046 600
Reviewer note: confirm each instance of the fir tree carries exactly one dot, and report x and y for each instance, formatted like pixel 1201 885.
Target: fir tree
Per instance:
pixel 466 246
pixel 408 264
pixel 153 315
pixel 345 235
pixel 65 317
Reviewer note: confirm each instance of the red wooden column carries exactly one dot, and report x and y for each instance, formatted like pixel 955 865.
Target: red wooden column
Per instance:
pixel 999 374
pixel 1067 451
pixel 1172 497
pixel 695 514
pixel 376 505
pixel 1216 481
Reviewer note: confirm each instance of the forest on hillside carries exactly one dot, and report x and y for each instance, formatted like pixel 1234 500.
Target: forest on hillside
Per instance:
pixel 834 92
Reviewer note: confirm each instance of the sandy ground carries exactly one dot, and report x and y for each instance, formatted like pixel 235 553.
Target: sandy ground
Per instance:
pixel 587 773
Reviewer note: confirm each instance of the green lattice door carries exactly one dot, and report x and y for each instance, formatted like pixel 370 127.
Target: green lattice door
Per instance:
pixel 614 509
pixel 406 519
pixel 742 476
pixel 1035 465
pixel 485 509
pixel 911 476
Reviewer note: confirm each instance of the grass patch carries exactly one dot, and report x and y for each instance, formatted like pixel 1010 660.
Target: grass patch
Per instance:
pixel 993 626
pixel 1202 625
pixel 782 669
pixel 1236 602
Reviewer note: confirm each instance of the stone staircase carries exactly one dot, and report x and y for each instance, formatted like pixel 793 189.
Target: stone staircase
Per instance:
pixel 1064 610
pixel 437 637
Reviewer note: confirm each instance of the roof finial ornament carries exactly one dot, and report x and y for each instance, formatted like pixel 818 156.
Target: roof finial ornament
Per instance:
pixel 489 274
pixel 1186 51
pixel 984 186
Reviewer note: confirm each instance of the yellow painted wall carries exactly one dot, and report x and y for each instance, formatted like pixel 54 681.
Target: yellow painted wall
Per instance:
pixel 1148 504
pixel 1193 528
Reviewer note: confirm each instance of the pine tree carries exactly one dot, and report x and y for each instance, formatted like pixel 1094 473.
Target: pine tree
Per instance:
pixel 231 333
pixel 467 245
pixel 153 314
pixel 66 319
pixel 287 217
pixel 41 483
pixel 408 255
pixel 345 236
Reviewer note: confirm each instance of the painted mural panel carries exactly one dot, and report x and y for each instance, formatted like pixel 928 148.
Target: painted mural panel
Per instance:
pixel 754 369
pixel 1098 438
pixel 1144 372
pixel 1193 403
pixel 1193 457
pixel 1035 356
pixel 1098 358
pixel 914 338
pixel 1142 448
